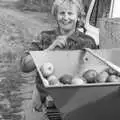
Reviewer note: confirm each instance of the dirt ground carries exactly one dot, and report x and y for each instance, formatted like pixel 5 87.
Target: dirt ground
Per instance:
pixel 19 27
pixel 17 30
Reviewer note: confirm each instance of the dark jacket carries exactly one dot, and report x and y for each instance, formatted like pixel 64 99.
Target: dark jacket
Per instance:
pixel 76 41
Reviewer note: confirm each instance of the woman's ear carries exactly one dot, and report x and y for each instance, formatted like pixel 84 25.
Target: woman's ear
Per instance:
pixel 80 24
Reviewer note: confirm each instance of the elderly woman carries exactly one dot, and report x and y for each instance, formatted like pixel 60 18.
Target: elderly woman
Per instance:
pixel 69 15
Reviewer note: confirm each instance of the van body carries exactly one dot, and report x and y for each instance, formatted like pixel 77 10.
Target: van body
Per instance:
pixel 97 9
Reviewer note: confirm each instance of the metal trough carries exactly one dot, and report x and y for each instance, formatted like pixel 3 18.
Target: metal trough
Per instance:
pixel 89 101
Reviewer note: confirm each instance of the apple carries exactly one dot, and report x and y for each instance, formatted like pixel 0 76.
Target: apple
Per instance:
pixel 118 74
pixel 102 77
pixel 47 69
pixel 90 75
pixel 78 81
pixel 61 84
pixel 66 79
pixel 113 78
pixel 111 71
pixel 53 80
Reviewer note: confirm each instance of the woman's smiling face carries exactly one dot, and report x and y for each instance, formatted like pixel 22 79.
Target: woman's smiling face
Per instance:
pixel 67 16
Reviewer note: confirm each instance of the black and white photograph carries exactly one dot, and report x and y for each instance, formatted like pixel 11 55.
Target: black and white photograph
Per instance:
pixel 59 59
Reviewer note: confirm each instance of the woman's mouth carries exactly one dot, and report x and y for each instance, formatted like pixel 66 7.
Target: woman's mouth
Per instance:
pixel 66 23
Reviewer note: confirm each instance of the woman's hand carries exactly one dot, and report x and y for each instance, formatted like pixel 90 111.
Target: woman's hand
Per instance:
pixel 59 42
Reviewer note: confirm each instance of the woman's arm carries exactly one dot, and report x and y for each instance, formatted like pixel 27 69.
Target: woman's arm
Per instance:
pixel 27 63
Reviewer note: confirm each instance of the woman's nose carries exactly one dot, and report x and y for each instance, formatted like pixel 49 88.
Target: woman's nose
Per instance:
pixel 66 17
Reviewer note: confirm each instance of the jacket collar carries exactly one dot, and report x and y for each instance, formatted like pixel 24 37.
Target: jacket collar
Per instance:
pixel 73 36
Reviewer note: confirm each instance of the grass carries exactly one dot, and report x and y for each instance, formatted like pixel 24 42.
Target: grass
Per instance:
pixel 17 30
pixel 34 6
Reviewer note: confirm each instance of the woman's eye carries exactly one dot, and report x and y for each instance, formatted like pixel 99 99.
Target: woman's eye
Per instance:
pixel 70 13
pixel 62 13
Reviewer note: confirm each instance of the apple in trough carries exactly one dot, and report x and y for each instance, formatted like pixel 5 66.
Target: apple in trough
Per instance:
pixel 111 71
pixel 66 79
pixel 47 69
pixel 113 78
pixel 90 75
pixel 102 77
pixel 78 81
pixel 53 80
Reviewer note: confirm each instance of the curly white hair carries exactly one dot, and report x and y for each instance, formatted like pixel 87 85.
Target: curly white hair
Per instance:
pixel 78 3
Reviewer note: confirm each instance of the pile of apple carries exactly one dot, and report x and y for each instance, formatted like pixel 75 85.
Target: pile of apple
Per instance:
pixel 47 70
pixel 89 76
pixel 107 75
